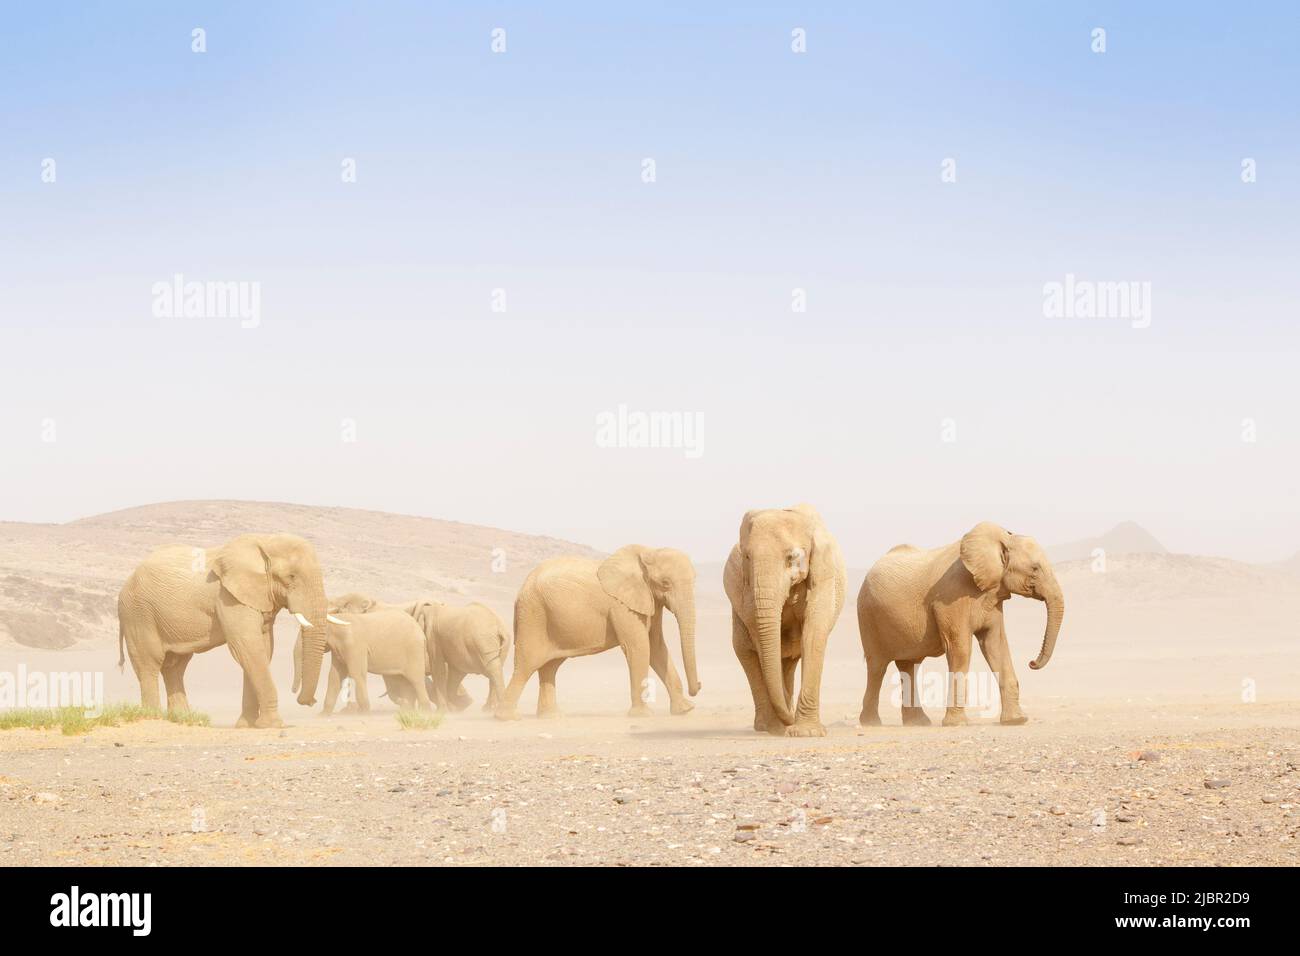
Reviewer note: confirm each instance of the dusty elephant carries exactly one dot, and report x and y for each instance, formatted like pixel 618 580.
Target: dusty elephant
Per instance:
pixel 919 603
pixel 786 582
pixel 182 601
pixel 385 642
pixel 569 607
pixel 460 640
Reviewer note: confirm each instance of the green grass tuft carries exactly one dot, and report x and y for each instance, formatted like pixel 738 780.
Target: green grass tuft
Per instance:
pixel 411 719
pixel 73 720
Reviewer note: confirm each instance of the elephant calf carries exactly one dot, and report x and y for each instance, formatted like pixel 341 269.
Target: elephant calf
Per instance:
pixel 458 641
pixel 919 603
pixel 385 642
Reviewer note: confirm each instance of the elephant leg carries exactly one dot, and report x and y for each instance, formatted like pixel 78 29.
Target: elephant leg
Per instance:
pixel 333 685
pixel 497 685
pixel 913 712
pixel 958 675
pixel 398 692
pixel 457 699
pixel 635 641
pixel 993 644
pixel 870 716
pixel 246 638
pixel 143 649
pixel 662 665
pixel 173 674
pixel 765 719
pixel 416 676
pixel 525 668
pixel 807 716
pixel 358 668
pixel 546 706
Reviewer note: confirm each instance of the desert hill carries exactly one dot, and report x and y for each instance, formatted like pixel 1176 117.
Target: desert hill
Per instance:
pixel 59 582
pixel 1125 538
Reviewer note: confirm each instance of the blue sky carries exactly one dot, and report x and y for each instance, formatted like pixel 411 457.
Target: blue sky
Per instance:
pixel 775 171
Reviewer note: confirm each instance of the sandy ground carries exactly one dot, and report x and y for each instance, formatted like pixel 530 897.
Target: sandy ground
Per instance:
pixel 1099 782
pixel 1172 671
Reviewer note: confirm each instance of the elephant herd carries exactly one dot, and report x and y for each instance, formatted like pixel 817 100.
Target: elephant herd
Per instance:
pixel 785 579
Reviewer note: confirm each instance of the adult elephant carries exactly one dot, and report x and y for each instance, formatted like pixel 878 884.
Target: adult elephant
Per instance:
pixel 786 583
pixel 569 607
pixel 916 604
pixel 183 601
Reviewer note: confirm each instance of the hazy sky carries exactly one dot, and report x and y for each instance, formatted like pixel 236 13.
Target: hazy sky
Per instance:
pixel 774 171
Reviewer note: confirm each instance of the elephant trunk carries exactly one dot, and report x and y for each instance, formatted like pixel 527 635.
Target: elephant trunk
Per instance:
pixel 686 628
pixel 769 602
pixel 1055 601
pixel 313 644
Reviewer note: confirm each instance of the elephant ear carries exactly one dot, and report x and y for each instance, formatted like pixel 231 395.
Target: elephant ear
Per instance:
pixel 823 563
pixel 244 570
pixel 984 554
pixel 745 524
pixel 623 578
pixel 425 614
pixel 352 603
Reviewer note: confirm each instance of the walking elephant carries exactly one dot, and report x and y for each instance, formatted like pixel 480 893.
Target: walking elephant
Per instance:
pixel 569 607
pixel 387 642
pixel 786 583
pixel 184 601
pixel 919 603
pixel 460 640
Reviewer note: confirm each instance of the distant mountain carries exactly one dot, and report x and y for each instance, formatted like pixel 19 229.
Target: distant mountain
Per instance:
pixel 59 582
pixel 1124 538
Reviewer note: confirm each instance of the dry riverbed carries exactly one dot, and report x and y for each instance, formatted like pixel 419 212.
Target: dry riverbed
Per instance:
pixel 1106 783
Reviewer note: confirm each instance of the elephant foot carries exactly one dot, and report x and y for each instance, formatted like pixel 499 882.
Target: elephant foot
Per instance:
pixel 456 706
pixel 270 720
pixel 506 713
pixel 769 724
pixel 681 707
pixel 551 713
pixel 639 710
pixel 805 728
pixel 869 720
pixel 246 720
pixel 1014 720
pixel 954 719
pixel 915 717
pixel 489 707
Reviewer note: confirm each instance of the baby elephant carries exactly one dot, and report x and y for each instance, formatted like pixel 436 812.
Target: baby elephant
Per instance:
pixel 385 642
pixel 458 641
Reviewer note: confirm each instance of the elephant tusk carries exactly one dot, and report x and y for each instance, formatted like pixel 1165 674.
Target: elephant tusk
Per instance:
pixel 302 619
pixel 334 620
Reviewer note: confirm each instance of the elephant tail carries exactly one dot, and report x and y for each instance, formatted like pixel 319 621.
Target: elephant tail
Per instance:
pixel 121 646
pixel 504 637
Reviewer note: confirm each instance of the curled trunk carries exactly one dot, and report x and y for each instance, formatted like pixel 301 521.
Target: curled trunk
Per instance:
pixel 1055 612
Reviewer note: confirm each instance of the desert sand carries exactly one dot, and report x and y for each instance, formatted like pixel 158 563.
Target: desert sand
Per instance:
pixel 1164 730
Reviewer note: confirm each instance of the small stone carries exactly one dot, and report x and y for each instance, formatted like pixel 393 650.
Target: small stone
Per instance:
pixel 1057 811
pixel 1149 756
pixel 45 797
pixel 1125 818
pixel 1128 841
pixel 785 788
pixel 744 836
pixel 1217 783
pixel 1270 798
